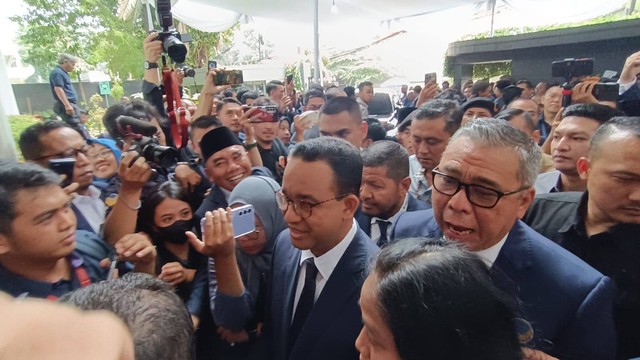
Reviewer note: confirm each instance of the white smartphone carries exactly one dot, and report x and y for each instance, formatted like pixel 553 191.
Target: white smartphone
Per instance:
pixel 244 221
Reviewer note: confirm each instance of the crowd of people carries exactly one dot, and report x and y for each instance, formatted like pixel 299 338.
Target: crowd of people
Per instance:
pixel 494 224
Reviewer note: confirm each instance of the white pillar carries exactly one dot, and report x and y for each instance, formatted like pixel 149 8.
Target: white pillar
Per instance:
pixel 8 106
pixel 316 43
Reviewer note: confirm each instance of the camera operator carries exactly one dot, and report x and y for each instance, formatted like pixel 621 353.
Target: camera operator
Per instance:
pixel 152 87
pixel 149 136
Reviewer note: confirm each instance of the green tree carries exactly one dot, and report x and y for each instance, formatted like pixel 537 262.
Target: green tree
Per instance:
pixel 50 27
pixel 352 71
pixel 205 45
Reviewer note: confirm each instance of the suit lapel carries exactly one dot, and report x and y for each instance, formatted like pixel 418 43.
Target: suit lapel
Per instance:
pixel 343 285
pixel 291 267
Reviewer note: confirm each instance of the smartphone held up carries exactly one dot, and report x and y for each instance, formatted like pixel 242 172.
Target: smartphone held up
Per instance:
pixel 243 220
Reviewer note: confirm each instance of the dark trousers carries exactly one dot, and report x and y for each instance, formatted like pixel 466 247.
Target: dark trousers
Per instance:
pixel 72 120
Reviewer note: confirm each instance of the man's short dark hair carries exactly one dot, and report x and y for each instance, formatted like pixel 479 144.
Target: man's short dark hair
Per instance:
pixel 526 82
pixel 156 317
pixel 272 85
pixel 375 130
pixel 203 122
pixel 343 159
pixel 389 154
pixel 509 114
pixel 15 177
pixel 597 112
pixel 363 84
pixel 137 108
pixel 502 84
pixel 313 93
pixel 340 104
pixel 439 302
pixel 440 108
pixel 618 124
pixel 479 86
pixel 249 95
pixel 350 91
pixel 30 139
pixel 224 101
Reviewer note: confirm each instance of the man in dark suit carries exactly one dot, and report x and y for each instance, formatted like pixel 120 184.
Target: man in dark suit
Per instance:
pixel 225 163
pixel 482 186
pixel 384 192
pixel 321 261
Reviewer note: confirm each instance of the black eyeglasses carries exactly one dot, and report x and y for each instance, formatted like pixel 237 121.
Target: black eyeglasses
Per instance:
pixel 301 207
pixel 71 153
pixel 477 195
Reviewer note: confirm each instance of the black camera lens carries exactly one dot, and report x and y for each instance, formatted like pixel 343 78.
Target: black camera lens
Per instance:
pixel 161 155
pixel 188 72
pixel 175 48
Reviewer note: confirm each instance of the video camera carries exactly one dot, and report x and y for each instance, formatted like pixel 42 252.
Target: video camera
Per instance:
pixel 170 37
pixel 144 142
pixel 572 69
pixel 188 71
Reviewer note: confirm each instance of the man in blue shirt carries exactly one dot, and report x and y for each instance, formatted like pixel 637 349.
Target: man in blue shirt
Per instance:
pixel 41 252
pixel 64 95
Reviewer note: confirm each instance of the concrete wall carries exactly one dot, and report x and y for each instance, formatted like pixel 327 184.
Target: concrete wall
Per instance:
pixel 36 98
pixel 531 55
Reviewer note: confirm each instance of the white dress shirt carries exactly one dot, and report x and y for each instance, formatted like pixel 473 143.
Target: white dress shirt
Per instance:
pixel 325 263
pixel 375 229
pixel 92 208
pixel 489 255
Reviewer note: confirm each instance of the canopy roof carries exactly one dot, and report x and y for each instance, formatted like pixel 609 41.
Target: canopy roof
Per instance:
pixel 215 14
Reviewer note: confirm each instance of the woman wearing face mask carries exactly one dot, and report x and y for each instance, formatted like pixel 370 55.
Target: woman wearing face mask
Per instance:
pixel 243 265
pixel 166 215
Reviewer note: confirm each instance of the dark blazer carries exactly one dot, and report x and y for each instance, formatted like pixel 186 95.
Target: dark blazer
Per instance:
pixel 567 302
pixel 335 321
pixel 364 221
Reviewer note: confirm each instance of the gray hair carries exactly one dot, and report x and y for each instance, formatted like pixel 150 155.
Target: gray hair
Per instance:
pixel 63 58
pixel 499 134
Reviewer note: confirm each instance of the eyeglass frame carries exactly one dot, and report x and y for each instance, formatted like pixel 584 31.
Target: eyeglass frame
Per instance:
pixel 296 203
pixel 467 192
pixel 61 155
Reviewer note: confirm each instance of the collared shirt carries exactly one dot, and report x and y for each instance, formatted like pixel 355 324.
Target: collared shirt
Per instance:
pixel 19 286
pixel 489 255
pixel 92 208
pixel 420 188
pixel 364 107
pixel 325 263
pixel 226 194
pixel 60 78
pixel 615 253
pixel 548 182
pixel 375 229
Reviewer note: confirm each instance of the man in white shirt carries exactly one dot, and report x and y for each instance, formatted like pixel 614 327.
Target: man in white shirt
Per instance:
pixel 384 192
pixel 321 261
pixel 54 139
pixel 481 188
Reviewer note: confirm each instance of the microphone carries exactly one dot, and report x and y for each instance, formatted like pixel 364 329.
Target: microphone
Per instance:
pixel 128 125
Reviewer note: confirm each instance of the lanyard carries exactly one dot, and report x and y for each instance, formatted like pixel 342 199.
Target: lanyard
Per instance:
pixel 81 274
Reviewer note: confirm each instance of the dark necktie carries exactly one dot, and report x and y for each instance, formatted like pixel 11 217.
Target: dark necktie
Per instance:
pixel 305 303
pixel 383 240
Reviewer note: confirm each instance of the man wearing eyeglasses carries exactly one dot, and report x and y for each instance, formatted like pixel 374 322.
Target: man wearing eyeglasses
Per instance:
pixel 482 187
pixel 53 139
pixel 321 261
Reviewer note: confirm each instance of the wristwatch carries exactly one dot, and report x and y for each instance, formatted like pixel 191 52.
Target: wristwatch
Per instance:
pixel 249 146
pixel 150 65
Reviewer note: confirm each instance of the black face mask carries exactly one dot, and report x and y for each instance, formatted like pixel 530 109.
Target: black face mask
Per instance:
pixel 175 233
